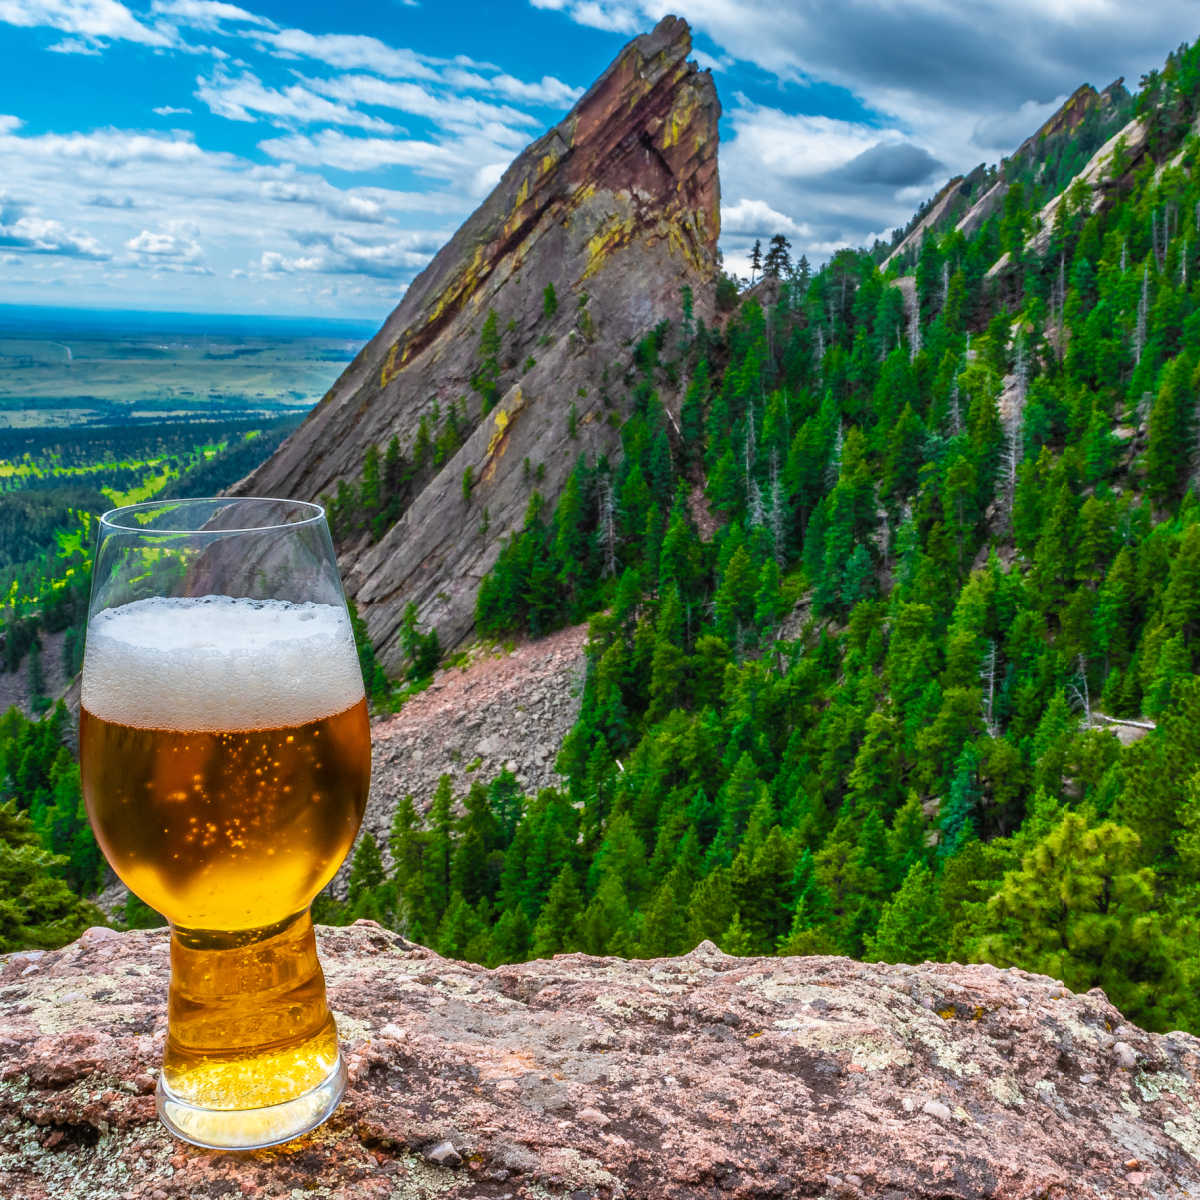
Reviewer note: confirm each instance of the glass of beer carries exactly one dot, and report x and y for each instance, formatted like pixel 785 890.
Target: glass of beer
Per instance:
pixel 226 752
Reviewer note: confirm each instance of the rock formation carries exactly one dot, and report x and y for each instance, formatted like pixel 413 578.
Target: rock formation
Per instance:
pixel 587 1078
pixel 946 207
pixel 933 218
pixel 1106 170
pixel 618 208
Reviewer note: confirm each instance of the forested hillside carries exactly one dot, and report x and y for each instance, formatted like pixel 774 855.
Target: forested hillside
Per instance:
pixel 869 715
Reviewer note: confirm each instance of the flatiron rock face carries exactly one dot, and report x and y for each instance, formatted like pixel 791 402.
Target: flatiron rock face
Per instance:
pixel 601 1078
pixel 618 207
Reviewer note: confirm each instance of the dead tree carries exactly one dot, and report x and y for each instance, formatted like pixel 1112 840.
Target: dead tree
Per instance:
pixel 987 676
pixel 608 525
pixel 775 513
pixel 1139 334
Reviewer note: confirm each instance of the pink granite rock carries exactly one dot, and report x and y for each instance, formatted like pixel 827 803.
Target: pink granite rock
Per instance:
pixel 579 1077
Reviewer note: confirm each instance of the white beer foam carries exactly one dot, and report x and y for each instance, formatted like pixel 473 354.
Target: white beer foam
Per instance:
pixel 215 663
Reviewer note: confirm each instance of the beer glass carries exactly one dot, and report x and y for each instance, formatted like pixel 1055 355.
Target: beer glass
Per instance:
pixel 226 751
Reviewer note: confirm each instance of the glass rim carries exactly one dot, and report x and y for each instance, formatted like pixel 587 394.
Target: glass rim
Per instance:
pixel 110 519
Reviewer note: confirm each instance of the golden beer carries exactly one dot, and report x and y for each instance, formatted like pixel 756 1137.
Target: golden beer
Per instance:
pixel 225 753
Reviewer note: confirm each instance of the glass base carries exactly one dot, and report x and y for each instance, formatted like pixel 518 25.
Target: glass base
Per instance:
pixel 251 1128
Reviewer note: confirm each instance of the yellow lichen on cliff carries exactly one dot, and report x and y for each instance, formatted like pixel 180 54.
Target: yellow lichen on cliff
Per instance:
pixel 502 419
pixel 680 116
pixel 617 231
pixel 461 288
pixel 388 372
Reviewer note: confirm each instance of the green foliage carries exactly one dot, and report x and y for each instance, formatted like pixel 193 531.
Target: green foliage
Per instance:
pixel 549 301
pixel 1082 910
pixel 485 380
pixel 857 618
pixel 422 651
pixel 376 684
pixel 37 908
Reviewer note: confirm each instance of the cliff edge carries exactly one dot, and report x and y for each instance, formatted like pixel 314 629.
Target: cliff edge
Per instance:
pixel 589 1078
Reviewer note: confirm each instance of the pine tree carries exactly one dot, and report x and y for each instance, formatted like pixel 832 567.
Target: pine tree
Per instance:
pixel 37 909
pixel 912 927
pixel 554 931
pixel 510 938
pixel 1082 910
pixel 664 929
pixel 485 381
pixel 778 261
pixel 366 877
pixel 370 492
pixel 959 813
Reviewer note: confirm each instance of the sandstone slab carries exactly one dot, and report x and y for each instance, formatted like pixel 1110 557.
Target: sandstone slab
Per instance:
pixel 618 209
pixel 578 1077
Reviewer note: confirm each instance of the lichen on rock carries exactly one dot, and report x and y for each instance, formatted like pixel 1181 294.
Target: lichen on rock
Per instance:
pixel 697 1076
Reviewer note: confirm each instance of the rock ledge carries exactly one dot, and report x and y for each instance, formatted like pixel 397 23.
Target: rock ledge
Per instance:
pixel 697 1076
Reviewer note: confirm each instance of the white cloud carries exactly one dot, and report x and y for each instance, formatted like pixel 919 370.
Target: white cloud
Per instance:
pixel 455 111
pixel 105 147
pixel 168 110
pixel 239 99
pixel 819 180
pixel 550 92
pixel 754 218
pixel 610 15
pixel 371 240
pixel 709 63
pixel 349 52
pixel 77 46
pixel 798 146
pixel 400 258
pixel 331 148
pixel 91 18
pixel 472 162
pixel 29 233
pixel 173 248
pixel 208 14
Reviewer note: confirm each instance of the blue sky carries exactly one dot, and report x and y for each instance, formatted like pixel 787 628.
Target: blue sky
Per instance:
pixel 309 159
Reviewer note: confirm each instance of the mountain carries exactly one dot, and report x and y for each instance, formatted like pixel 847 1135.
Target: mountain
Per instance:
pixel 585 245
pixel 1044 162
pixel 893 623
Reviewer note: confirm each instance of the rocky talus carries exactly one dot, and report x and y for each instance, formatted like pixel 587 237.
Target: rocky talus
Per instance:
pixel 700 1076
pixel 506 709
pixel 618 209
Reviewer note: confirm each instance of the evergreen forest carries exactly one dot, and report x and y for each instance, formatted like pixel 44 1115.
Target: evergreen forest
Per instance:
pixel 893 605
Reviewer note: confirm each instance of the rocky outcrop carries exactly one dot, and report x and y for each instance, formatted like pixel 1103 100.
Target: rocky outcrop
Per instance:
pixel 946 207
pixel 933 218
pixel 618 208
pixel 1104 173
pixel 506 709
pixel 987 204
pixel 586 1078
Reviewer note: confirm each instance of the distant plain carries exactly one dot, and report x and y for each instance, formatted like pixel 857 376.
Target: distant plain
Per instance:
pixel 64 368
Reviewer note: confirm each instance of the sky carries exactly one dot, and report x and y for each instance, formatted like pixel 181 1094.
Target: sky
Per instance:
pixel 296 158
